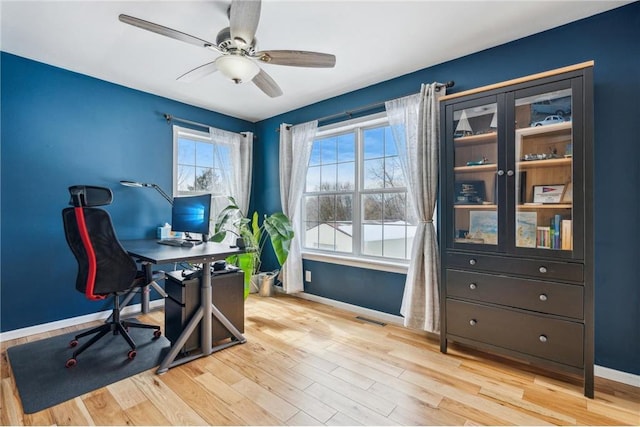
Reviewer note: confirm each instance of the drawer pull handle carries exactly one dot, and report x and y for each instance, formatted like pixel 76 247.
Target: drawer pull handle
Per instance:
pixel 542 269
pixel 543 297
pixel 473 322
pixel 500 172
pixel 472 261
pixel 543 338
pixel 472 286
pixel 509 172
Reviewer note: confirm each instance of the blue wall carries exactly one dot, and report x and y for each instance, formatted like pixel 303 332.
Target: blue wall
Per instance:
pixel 611 39
pixel 58 129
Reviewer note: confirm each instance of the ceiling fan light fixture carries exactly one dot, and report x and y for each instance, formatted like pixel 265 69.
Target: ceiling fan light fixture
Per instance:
pixel 237 68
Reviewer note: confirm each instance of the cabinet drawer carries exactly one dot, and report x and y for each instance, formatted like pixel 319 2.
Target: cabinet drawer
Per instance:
pixel 542 269
pixel 536 295
pixel 552 339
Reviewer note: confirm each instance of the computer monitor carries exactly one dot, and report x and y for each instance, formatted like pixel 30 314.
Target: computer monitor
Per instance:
pixel 190 214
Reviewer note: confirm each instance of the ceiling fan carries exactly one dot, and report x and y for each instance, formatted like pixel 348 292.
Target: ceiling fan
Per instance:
pixel 237 45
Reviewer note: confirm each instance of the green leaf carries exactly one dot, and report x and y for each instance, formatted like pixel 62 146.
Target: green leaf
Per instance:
pixel 280 231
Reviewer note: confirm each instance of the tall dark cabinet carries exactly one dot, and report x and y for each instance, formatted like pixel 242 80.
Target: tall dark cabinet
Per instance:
pixel 516 220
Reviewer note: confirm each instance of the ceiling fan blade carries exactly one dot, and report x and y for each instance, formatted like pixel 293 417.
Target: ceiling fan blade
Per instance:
pixel 243 20
pixel 266 84
pixel 199 72
pixel 166 31
pixel 297 58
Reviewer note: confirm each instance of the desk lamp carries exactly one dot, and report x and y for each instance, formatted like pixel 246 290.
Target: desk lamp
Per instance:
pixel 144 184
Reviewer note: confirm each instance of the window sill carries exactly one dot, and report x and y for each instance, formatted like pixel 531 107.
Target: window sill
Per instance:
pixel 371 264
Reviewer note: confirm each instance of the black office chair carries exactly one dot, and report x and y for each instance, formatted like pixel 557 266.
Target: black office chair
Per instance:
pixel 104 267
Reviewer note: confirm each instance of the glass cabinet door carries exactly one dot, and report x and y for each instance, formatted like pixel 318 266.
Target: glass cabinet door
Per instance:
pixel 475 160
pixel 543 158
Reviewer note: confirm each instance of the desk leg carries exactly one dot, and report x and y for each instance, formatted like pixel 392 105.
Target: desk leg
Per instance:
pixel 205 304
pixel 144 297
pixel 168 360
pixel 204 314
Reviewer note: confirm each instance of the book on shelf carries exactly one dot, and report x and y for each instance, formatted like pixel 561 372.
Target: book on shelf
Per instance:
pixel 543 237
pixel 556 221
pixel 567 234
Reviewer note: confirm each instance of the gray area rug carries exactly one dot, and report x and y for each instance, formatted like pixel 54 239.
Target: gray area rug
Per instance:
pixel 44 381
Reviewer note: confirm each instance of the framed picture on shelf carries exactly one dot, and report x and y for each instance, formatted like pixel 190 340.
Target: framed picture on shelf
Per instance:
pixel 548 193
pixel 526 224
pixel 483 225
pixel 470 192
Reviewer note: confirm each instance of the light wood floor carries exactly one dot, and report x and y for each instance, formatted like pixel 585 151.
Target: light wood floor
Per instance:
pixel 309 364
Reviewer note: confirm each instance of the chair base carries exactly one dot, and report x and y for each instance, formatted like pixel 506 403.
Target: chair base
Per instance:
pixel 117 327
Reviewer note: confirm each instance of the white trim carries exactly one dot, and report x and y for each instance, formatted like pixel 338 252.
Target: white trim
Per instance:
pixel 371 264
pixel 346 125
pixel 599 371
pixel 619 376
pixel 73 321
pixel 372 314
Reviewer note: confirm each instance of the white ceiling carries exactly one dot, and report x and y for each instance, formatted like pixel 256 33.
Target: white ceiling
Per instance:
pixel 373 41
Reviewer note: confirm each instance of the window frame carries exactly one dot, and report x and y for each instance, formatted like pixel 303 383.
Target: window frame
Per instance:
pixel 194 135
pixel 354 258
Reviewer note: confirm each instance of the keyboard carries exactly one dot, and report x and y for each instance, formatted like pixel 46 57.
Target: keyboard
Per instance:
pixel 179 242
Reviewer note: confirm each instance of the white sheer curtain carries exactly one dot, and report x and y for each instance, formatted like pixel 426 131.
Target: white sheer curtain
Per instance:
pixel 241 150
pixel 415 124
pixel 295 149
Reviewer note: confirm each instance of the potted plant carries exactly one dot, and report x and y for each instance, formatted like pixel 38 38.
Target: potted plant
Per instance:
pixel 252 236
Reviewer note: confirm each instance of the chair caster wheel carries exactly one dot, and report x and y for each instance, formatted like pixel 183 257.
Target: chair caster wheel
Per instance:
pixel 132 354
pixel 71 363
pixel 73 343
pixel 157 333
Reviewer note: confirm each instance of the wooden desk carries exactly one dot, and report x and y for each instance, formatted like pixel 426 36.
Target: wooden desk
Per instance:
pixel 150 251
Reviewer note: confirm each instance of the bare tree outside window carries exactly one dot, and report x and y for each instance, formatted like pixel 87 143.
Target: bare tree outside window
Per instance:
pixel 355 188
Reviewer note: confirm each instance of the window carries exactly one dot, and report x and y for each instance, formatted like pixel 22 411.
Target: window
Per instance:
pixel 200 163
pixel 355 199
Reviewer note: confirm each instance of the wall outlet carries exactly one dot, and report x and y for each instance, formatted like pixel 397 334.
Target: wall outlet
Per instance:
pixel 307 276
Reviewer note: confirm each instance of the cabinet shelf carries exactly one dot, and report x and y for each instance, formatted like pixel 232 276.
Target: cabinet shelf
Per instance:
pixel 484 207
pixel 547 206
pixel 484 138
pixel 548 163
pixel 491 167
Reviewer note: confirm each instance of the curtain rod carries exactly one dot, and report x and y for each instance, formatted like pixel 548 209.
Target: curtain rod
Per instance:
pixel 368 107
pixel 169 118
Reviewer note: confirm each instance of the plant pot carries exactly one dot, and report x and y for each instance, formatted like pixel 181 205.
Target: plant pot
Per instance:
pixel 266 284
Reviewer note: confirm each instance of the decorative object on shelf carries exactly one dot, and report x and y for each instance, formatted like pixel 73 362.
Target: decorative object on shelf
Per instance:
pixel 470 192
pixel 483 161
pixel 548 193
pixel 526 223
pixel 463 128
pixel 484 225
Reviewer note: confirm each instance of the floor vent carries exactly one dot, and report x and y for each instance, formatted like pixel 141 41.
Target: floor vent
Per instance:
pixel 373 322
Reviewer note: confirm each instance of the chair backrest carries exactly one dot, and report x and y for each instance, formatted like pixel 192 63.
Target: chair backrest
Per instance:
pixel 104 267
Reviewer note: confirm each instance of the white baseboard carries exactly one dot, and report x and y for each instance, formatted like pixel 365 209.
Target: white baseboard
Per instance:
pixel 372 314
pixel 599 371
pixel 73 321
pixel 619 376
